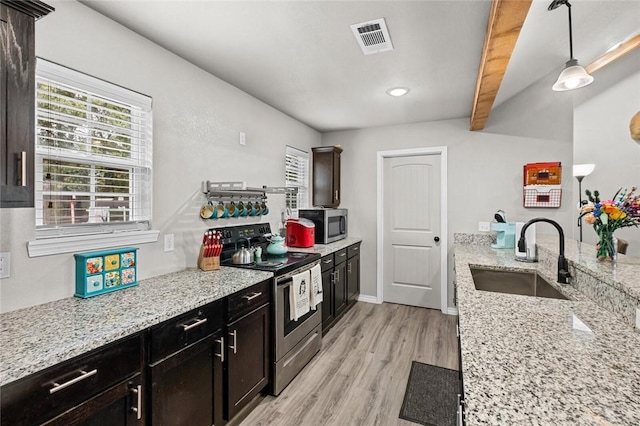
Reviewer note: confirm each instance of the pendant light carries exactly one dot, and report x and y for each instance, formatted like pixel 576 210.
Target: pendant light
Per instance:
pixel 574 76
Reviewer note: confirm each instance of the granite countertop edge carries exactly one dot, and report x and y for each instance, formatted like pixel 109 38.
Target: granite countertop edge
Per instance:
pixel 525 362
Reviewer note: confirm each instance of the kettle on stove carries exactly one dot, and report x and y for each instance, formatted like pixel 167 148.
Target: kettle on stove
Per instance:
pixel 276 245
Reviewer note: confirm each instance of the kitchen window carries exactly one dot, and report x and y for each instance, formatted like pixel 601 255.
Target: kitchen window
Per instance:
pixel 297 176
pixel 93 158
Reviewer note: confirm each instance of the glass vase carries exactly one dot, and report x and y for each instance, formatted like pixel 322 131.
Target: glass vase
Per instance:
pixel 607 247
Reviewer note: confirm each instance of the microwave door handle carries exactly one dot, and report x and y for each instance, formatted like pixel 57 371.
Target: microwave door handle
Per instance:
pixel 343 225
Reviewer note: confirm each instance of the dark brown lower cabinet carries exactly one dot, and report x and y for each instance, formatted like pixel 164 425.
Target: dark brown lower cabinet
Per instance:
pixel 248 358
pixel 186 384
pixel 102 387
pixel 327 298
pixel 122 404
pixel 353 273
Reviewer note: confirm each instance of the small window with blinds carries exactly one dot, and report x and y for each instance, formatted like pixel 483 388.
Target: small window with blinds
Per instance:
pixel 297 176
pixel 93 155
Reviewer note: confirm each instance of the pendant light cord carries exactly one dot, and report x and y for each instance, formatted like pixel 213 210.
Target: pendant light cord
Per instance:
pixel 570 32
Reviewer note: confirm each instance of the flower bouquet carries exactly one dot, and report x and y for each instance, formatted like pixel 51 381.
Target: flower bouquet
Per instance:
pixel 621 211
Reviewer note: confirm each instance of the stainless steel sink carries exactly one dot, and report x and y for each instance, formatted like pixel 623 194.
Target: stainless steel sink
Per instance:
pixel 525 283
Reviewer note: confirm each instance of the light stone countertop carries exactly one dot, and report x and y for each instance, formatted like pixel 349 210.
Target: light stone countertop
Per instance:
pixel 41 336
pixel 326 249
pixel 523 360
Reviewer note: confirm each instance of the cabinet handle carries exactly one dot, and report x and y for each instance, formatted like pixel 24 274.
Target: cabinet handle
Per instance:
pixel 457 330
pixel 343 254
pixel 138 408
pixel 83 375
pixel 336 199
pixel 23 168
pixel 253 296
pixel 328 261
pixel 198 322
pixel 234 335
pixel 355 248
pixel 221 354
pixel 349 267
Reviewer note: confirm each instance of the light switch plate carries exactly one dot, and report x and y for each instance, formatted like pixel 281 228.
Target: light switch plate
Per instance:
pixel 484 227
pixel 243 138
pixel 5 265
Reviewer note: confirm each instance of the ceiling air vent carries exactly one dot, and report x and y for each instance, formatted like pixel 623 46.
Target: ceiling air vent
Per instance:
pixel 372 36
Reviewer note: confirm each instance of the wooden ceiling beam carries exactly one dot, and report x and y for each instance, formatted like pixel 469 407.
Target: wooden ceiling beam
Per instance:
pixel 614 55
pixel 505 22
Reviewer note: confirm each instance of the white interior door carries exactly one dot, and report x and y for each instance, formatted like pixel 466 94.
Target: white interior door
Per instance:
pixel 411 227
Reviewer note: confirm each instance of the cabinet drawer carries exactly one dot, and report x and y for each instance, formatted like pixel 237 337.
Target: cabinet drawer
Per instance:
pixel 46 394
pixel 179 332
pixel 247 300
pixel 353 250
pixel 327 262
pixel 340 256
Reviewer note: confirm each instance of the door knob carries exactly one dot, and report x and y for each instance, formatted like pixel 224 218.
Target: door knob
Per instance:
pixel 436 239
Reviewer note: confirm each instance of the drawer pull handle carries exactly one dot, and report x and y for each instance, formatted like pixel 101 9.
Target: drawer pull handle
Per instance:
pixel 355 248
pixel 342 254
pixel 83 375
pixel 328 261
pixel 138 409
pixel 234 346
pixel 253 296
pixel 198 322
pixel 221 354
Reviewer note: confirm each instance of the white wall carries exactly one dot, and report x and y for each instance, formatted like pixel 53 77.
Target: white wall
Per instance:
pixel 484 175
pixel 601 131
pixel 197 120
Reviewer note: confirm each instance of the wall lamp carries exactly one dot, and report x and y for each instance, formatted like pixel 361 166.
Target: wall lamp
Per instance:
pixel 580 171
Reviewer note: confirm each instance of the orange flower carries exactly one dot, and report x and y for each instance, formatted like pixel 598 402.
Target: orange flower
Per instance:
pixel 590 219
pixel 609 208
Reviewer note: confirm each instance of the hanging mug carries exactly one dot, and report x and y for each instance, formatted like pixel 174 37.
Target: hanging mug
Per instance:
pixel 265 209
pixel 250 209
pixel 242 208
pixel 221 210
pixel 207 211
pixel 233 209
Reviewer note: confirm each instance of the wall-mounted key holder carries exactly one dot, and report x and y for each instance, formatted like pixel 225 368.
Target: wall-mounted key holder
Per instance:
pixel 105 271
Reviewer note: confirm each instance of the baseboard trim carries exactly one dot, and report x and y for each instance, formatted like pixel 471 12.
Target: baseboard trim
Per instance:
pixel 368 299
pixel 452 310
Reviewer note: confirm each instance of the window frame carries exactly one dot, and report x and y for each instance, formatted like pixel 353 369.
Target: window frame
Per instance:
pixel 61 238
pixel 302 196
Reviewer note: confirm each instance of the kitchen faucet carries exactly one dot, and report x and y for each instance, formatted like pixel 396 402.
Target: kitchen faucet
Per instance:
pixel 563 265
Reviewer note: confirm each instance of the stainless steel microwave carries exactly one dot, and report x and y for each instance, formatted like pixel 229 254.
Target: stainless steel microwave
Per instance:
pixel 331 224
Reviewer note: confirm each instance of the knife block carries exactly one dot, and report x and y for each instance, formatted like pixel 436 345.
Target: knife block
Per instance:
pixel 208 263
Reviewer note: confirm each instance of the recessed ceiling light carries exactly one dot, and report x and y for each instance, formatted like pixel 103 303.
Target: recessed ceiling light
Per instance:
pixel 397 91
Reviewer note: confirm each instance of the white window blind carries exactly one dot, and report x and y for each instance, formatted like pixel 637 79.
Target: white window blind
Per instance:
pixel 297 175
pixel 93 155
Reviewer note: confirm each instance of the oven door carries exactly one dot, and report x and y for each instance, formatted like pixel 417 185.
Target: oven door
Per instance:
pixel 289 332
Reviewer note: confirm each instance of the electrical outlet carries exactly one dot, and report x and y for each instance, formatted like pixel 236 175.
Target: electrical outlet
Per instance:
pixel 5 265
pixel 169 242
pixel 483 227
pixel 243 138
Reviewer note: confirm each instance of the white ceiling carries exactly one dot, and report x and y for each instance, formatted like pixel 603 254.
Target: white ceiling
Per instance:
pixel 301 57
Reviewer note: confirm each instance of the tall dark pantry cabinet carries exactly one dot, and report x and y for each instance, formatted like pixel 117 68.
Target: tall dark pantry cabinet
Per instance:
pixel 17 93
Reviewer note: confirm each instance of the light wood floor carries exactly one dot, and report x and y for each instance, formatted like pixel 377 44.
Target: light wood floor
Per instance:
pixel 360 375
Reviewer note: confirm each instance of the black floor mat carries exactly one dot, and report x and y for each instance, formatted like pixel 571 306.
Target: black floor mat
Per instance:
pixel 431 397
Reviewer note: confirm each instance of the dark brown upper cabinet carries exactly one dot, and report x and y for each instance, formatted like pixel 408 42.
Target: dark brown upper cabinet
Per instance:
pixel 17 94
pixel 326 176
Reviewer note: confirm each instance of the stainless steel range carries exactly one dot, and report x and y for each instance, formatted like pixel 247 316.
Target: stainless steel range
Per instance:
pixel 295 343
